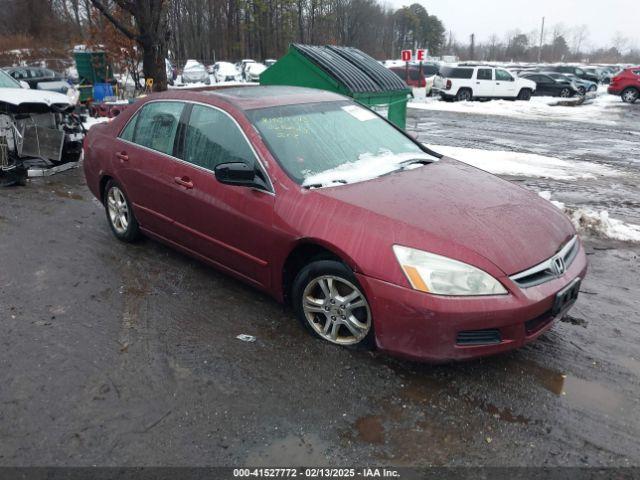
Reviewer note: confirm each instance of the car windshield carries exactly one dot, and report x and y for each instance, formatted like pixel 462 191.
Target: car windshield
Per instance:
pixel 332 143
pixel 6 81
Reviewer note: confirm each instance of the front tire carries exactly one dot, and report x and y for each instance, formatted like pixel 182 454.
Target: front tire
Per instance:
pixel 630 95
pixel 525 94
pixel 120 215
pixel 330 303
pixel 565 93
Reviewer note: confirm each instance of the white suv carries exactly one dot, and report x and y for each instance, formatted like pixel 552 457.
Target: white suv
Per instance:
pixel 469 82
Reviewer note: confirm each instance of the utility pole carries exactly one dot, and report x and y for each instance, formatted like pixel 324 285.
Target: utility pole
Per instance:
pixel 541 40
pixel 472 47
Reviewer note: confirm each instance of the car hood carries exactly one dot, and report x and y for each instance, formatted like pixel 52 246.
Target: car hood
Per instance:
pixel 19 96
pixel 453 209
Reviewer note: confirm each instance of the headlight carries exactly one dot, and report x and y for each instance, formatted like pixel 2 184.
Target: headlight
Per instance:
pixel 440 275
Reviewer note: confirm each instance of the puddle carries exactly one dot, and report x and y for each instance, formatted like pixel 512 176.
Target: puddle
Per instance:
pixel 65 194
pixel 370 429
pixel 583 393
pixel 292 450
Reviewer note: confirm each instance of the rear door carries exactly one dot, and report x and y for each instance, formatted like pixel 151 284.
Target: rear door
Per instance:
pixel 143 160
pixel 505 84
pixel 229 225
pixel 484 86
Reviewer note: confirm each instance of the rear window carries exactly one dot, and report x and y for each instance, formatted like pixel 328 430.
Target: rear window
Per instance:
pixel 456 72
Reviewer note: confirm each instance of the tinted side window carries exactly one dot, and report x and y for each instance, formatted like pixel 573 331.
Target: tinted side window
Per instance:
pixel 157 125
pixel 451 72
pixel 503 75
pixel 485 74
pixel 212 138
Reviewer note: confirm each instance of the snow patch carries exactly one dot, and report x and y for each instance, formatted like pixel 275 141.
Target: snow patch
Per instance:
pixel 538 108
pixel 91 121
pixel 524 164
pixel 591 222
pixel 367 166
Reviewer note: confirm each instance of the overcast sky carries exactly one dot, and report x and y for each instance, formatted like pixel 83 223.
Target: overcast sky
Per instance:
pixel 485 17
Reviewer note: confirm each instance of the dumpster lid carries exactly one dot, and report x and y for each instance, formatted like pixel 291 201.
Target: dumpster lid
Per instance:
pixel 356 70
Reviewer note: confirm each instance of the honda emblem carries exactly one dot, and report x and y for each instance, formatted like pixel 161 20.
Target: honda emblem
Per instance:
pixel 558 266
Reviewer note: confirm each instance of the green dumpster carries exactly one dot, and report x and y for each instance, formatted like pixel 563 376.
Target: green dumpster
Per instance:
pixel 93 68
pixel 343 70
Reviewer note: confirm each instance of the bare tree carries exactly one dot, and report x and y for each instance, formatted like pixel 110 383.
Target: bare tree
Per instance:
pixel 578 39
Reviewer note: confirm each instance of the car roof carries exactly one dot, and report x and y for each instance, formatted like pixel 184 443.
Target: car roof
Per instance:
pixel 253 97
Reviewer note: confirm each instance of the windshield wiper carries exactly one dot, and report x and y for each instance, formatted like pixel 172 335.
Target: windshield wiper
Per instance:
pixel 413 161
pixel 320 185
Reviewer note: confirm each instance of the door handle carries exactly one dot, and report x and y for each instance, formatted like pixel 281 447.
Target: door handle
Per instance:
pixel 184 182
pixel 122 156
pixel 477 83
pixel 497 83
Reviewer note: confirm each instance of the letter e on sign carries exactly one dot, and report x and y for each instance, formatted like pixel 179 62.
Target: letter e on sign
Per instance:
pixel 406 55
pixel 421 55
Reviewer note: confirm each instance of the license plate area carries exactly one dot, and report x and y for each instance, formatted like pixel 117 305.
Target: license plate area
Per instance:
pixel 566 297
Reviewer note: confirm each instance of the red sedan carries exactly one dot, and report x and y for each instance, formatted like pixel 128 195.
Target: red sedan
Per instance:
pixel 626 84
pixel 372 238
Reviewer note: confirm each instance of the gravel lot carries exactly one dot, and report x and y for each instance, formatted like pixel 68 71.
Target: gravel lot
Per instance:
pixel 114 354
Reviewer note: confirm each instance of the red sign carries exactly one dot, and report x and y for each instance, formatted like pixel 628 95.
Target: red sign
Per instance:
pixel 406 55
pixel 421 55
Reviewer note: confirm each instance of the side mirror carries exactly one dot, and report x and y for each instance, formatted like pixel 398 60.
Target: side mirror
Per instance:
pixel 24 85
pixel 239 174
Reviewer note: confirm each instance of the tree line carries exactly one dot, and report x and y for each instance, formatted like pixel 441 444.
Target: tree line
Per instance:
pixel 211 30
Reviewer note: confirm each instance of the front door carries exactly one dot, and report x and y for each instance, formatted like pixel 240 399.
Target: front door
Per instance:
pixel 229 225
pixel 505 84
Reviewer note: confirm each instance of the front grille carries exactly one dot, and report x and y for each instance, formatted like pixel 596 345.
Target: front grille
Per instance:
pixel 535 324
pixel 479 337
pixel 544 272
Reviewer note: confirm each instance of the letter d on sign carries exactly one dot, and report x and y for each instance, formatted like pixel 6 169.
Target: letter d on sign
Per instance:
pixel 406 55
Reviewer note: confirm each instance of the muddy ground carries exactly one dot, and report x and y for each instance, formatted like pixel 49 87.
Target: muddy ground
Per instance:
pixel 112 354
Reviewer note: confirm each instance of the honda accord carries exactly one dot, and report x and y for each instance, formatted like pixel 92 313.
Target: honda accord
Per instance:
pixel 374 240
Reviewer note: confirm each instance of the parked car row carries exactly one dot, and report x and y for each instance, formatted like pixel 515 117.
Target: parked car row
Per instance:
pixel 469 81
pixel 247 70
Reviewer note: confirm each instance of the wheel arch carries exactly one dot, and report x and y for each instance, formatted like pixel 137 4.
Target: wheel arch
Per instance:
pixel 303 252
pixel 104 179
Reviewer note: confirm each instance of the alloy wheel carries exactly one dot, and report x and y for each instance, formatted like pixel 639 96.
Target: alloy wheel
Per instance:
pixel 118 210
pixel 630 95
pixel 336 310
pixel 565 92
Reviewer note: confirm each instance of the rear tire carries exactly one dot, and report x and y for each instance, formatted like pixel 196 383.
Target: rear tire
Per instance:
pixel 525 94
pixel 331 305
pixel 120 215
pixel 464 95
pixel 630 95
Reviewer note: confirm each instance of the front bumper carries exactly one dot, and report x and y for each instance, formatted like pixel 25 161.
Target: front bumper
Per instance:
pixel 425 327
pixel 614 91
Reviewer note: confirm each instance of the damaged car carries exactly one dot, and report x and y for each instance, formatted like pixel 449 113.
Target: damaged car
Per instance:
pixel 37 129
